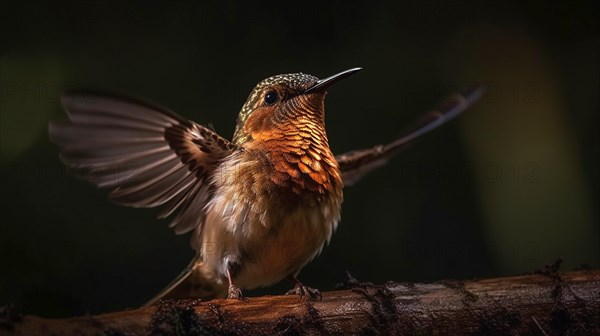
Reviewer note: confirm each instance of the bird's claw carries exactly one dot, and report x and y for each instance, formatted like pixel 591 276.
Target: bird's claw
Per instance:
pixel 234 293
pixel 305 291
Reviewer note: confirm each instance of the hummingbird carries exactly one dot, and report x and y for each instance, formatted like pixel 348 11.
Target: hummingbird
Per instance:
pixel 259 207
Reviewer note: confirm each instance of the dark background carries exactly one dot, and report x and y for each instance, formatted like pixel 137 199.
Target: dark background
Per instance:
pixel 508 187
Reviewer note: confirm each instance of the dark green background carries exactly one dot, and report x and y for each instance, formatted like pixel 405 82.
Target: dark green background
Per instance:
pixel 509 186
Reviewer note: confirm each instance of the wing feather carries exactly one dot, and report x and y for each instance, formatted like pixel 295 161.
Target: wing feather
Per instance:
pixel 146 154
pixel 356 164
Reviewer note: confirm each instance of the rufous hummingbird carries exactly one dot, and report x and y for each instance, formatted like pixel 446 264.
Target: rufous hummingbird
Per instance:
pixel 259 207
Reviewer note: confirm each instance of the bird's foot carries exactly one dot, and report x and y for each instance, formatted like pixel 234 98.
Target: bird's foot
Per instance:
pixel 305 291
pixel 234 293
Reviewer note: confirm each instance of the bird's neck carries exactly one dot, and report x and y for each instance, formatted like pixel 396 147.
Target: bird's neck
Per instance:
pixel 297 157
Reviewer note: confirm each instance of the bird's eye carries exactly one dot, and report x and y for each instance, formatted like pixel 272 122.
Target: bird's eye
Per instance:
pixel 271 97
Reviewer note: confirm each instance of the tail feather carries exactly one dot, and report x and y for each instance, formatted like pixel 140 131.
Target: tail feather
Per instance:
pixel 192 282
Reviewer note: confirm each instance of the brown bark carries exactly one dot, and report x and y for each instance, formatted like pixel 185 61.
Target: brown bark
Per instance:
pixel 538 304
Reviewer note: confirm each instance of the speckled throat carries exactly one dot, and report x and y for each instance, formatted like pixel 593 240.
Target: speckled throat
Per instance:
pixel 298 151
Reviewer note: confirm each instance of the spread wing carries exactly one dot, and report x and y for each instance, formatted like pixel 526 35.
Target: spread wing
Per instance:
pixel 147 155
pixel 356 164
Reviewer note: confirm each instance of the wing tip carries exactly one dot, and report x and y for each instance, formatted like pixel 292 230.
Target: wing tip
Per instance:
pixel 89 95
pixel 474 93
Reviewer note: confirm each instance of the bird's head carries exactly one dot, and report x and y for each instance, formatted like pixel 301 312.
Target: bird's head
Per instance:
pixel 282 101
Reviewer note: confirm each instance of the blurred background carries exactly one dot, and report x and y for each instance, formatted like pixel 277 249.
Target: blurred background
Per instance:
pixel 509 186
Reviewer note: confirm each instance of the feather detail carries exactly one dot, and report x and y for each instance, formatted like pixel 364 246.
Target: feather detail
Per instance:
pixel 147 155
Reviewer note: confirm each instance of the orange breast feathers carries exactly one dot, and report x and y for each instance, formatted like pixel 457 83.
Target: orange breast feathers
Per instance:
pixel 298 152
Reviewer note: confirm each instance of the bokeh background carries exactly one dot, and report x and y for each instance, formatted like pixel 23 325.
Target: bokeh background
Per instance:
pixel 508 187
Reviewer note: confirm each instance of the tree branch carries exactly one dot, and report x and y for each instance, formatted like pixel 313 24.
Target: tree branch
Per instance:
pixel 539 304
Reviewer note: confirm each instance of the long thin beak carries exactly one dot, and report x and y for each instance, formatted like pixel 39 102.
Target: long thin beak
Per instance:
pixel 322 84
